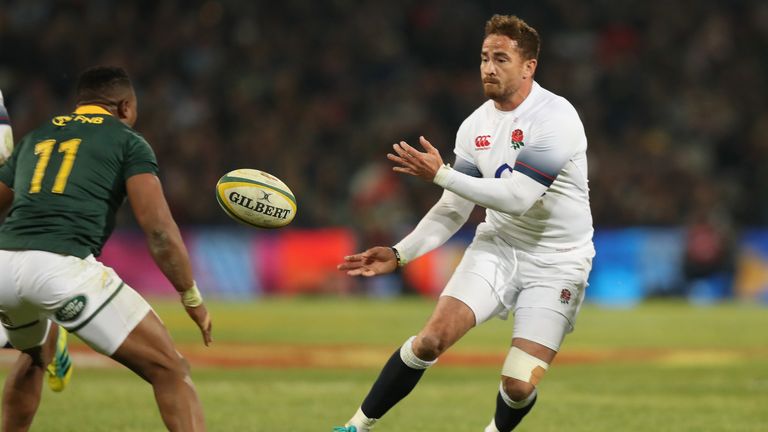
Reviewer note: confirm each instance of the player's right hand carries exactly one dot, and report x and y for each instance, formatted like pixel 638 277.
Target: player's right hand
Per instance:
pixel 200 316
pixel 375 261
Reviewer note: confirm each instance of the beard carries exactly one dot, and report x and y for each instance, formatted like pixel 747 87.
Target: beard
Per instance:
pixel 496 92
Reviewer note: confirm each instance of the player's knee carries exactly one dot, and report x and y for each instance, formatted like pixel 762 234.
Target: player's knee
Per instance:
pixel 429 346
pixel 184 363
pixel 170 366
pixel 521 373
pixel 515 389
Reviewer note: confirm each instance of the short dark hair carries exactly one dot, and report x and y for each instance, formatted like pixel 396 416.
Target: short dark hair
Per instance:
pixel 103 83
pixel 511 26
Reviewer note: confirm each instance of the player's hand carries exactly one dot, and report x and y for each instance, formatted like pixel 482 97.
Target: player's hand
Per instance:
pixel 375 261
pixel 200 316
pixel 419 164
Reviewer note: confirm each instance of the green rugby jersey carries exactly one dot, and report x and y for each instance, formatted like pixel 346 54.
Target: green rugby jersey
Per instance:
pixel 68 178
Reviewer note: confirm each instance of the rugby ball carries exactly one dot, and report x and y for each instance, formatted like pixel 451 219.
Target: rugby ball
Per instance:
pixel 256 198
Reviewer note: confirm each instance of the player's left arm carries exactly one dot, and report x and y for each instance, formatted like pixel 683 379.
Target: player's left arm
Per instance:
pixel 535 170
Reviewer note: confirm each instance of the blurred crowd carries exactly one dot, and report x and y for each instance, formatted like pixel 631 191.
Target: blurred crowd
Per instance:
pixel 672 95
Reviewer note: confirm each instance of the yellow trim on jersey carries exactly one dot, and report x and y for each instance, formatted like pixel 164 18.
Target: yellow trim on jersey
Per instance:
pixel 91 109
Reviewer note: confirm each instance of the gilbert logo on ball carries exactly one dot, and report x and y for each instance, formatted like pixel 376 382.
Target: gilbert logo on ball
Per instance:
pixel 256 198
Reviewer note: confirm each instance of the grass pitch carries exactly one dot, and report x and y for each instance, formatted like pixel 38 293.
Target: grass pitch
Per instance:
pixel 305 365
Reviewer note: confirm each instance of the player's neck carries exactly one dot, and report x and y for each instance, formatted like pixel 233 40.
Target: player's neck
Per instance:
pixel 517 98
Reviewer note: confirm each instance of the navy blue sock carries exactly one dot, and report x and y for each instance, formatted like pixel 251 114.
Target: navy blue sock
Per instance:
pixel 394 383
pixel 506 417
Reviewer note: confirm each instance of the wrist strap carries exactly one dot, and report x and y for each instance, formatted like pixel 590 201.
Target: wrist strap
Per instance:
pixel 400 261
pixel 192 297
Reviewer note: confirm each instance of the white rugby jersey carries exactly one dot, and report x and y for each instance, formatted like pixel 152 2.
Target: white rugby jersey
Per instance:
pixel 6 136
pixel 543 138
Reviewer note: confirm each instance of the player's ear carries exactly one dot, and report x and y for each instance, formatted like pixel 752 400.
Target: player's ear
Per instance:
pixel 123 109
pixel 127 111
pixel 529 68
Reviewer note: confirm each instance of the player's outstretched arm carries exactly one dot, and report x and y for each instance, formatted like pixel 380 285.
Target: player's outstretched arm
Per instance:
pixel 375 261
pixel 514 195
pixel 166 245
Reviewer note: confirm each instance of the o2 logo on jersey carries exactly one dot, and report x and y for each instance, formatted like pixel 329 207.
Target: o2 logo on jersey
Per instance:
pixel 483 142
pixel 500 170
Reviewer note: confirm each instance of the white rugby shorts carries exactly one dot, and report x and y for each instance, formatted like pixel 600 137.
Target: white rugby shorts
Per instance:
pixel 81 295
pixel 543 290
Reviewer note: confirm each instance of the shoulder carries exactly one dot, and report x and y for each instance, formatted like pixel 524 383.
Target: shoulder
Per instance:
pixel 478 116
pixel 127 134
pixel 553 108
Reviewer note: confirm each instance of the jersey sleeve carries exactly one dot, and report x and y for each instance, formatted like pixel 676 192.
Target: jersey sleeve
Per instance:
pixel 553 144
pixel 464 166
pixel 463 140
pixel 139 157
pixel 6 134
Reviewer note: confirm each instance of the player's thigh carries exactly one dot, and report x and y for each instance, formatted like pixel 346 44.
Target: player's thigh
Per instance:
pixel 148 350
pixel 553 281
pixel 108 326
pixel 476 293
pixel 484 272
pixel 22 322
pixel 538 330
pixel 32 330
pixel 83 296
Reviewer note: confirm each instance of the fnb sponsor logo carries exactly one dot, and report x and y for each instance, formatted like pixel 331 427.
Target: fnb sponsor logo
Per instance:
pixel 483 142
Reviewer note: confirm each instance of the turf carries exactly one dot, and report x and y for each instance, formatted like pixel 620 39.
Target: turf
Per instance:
pixel 658 367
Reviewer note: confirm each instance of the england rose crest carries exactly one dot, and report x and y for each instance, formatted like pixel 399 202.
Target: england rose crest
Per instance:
pixel 565 296
pixel 517 139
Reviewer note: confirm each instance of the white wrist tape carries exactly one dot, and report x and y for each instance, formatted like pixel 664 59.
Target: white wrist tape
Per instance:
pixel 523 366
pixel 192 297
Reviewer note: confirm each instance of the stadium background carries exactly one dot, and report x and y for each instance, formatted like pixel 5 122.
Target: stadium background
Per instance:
pixel 672 95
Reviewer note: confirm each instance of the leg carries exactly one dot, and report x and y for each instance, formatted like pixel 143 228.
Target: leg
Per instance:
pixel 451 320
pixel 23 385
pixel 149 352
pixel 526 364
pixel 517 393
pixel 123 326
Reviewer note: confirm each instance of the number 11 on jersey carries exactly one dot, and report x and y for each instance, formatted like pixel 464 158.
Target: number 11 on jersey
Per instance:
pixel 43 150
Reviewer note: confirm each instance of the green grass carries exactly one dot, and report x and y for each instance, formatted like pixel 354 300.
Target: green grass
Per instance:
pixel 717 381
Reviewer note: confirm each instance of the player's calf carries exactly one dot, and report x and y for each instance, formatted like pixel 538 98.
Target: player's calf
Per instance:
pixel 399 376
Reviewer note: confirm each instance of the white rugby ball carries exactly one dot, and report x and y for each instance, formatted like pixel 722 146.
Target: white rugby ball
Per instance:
pixel 256 198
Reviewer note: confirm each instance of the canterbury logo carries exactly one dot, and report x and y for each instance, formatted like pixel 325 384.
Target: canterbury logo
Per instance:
pixel 482 142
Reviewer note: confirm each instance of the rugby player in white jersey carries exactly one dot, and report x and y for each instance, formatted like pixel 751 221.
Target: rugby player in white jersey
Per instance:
pixel 522 156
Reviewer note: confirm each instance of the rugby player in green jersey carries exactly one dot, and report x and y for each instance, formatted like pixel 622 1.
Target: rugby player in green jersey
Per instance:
pixel 64 183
